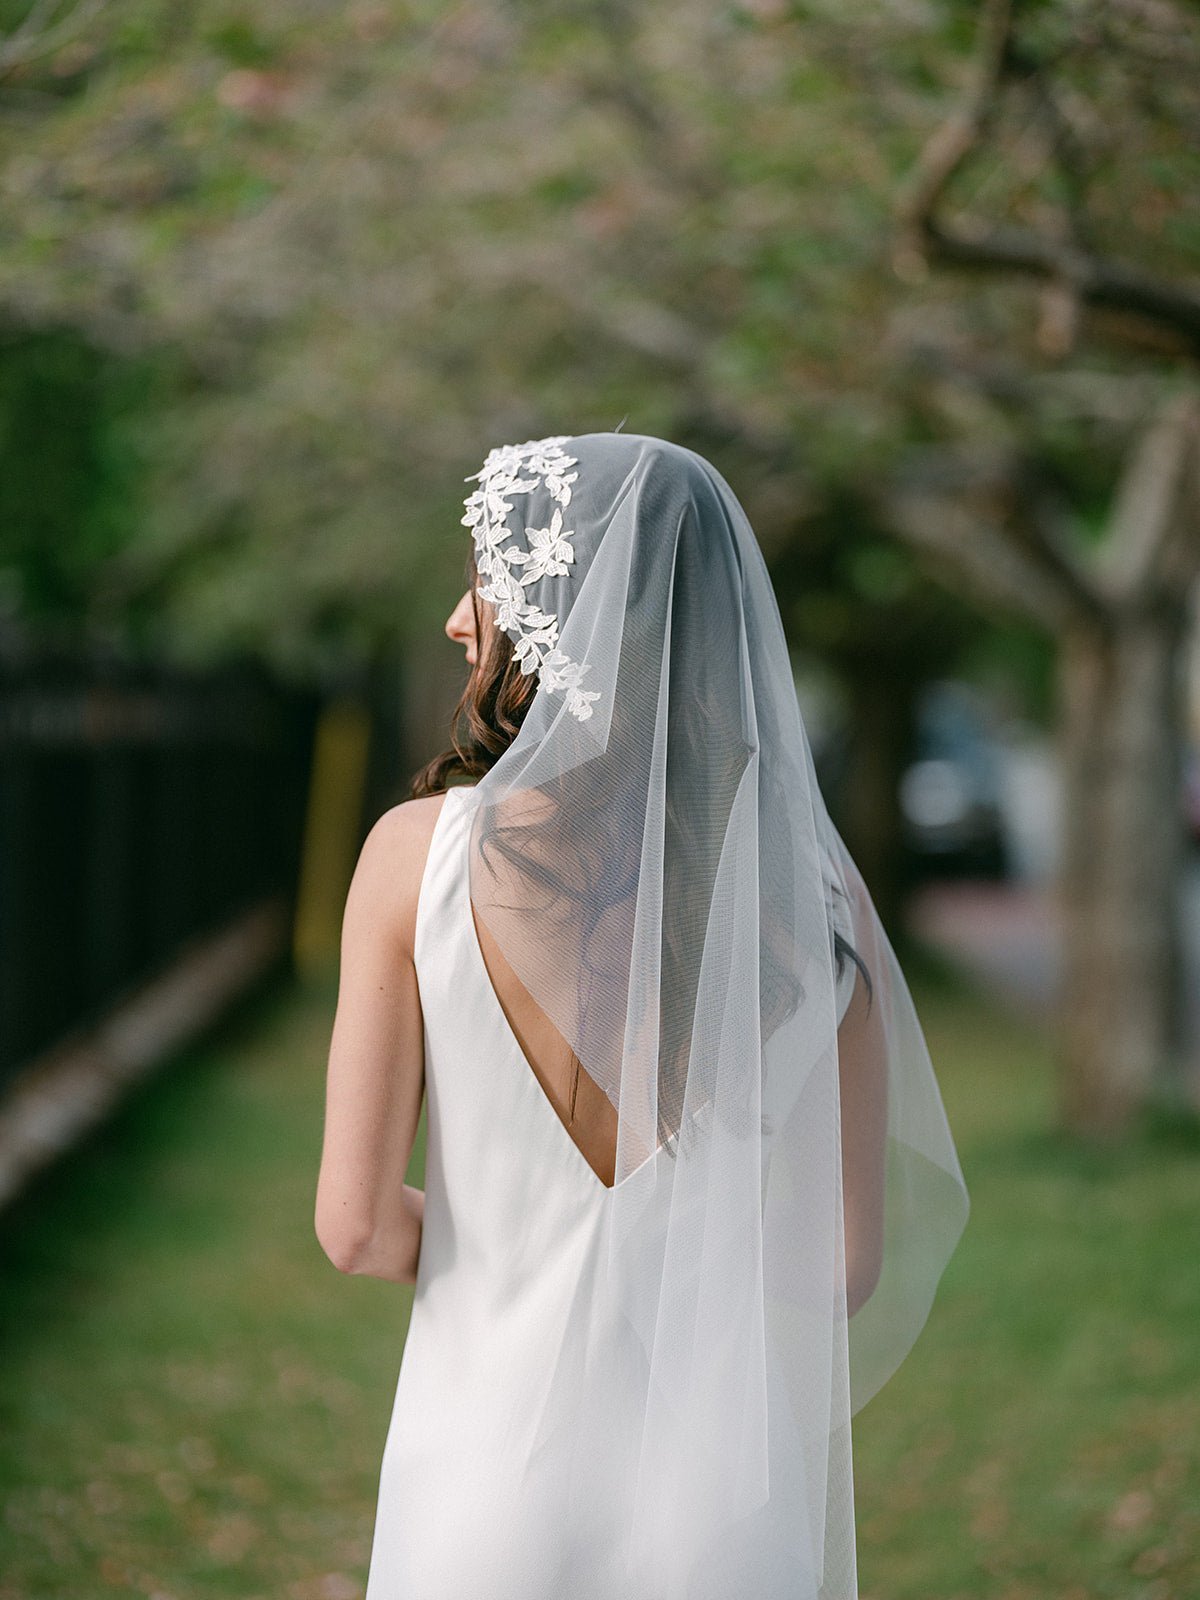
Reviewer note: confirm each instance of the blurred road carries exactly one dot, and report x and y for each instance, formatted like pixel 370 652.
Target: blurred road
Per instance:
pixel 1005 933
pixel 1008 935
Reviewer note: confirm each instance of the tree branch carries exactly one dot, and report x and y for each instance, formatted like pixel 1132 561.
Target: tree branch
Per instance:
pixel 1155 524
pixel 1090 278
pixel 1038 529
pixel 948 147
pixel 1096 280
pixel 956 509
pixel 41 32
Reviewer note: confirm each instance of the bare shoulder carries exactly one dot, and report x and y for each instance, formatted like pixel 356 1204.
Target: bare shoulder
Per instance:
pixel 411 823
pixel 392 860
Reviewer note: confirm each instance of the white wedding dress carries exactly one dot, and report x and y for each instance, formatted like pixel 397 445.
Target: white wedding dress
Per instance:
pixel 503 1303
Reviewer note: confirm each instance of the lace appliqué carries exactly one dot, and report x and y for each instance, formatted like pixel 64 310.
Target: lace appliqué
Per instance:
pixel 508 569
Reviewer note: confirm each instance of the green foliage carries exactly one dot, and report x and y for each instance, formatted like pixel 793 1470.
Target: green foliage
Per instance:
pixel 376 239
pixel 68 489
pixel 193 1403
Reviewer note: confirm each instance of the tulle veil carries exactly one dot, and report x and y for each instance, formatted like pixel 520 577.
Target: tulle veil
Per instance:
pixel 653 856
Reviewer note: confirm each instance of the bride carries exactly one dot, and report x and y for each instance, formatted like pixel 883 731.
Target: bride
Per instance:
pixel 689 1183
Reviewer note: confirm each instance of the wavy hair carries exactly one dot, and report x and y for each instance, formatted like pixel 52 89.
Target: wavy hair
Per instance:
pixel 490 709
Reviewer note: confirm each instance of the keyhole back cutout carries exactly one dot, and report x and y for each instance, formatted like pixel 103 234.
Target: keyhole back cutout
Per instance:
pixel 548 1057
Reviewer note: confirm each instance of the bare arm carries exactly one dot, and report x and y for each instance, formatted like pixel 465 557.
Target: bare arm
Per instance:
pixel 862 1073
pixel 368 1220
pixel 863 1085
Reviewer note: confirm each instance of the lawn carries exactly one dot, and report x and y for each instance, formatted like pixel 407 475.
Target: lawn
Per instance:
pixel 193 1403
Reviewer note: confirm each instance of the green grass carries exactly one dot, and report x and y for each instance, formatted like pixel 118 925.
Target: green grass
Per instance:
pixel 193 1403
pixel 1043 1437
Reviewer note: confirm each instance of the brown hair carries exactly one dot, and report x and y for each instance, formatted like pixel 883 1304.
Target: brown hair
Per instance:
pixel 490 709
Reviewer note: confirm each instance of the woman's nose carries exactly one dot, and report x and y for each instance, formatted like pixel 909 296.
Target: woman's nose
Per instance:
pixel 460 626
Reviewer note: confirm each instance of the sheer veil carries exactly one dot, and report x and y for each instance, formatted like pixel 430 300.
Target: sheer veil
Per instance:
pixel 654 858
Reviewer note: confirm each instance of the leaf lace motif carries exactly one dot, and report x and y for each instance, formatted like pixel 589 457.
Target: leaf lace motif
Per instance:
pixel 506 570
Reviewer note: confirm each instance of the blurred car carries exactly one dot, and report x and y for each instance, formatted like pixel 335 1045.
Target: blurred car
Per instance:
pixel 951 794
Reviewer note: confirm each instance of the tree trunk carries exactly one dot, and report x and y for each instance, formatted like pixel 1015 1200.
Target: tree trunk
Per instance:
pixel 1121 691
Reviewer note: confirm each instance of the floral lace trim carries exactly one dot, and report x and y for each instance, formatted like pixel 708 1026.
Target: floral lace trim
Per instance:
pixel 514 469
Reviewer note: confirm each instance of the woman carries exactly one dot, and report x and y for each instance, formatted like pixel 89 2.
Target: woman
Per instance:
pixel 689 1183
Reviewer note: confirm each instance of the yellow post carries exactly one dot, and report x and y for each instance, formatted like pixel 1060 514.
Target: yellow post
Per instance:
pixel 330 848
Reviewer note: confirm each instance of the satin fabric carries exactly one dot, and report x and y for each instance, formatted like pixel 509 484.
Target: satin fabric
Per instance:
pixel 472 1501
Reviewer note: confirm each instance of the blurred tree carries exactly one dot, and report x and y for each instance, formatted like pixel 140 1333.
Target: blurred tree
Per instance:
pixel 68 491
pixel 387 235
pixel 377 236
pixel 1047 119
pixel 377 241
pixel 864 609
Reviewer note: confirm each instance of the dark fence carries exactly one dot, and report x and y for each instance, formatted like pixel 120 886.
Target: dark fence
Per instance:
pixel 139 807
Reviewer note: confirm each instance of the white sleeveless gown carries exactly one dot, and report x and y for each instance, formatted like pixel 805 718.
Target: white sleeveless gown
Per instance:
pixel 511 1244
